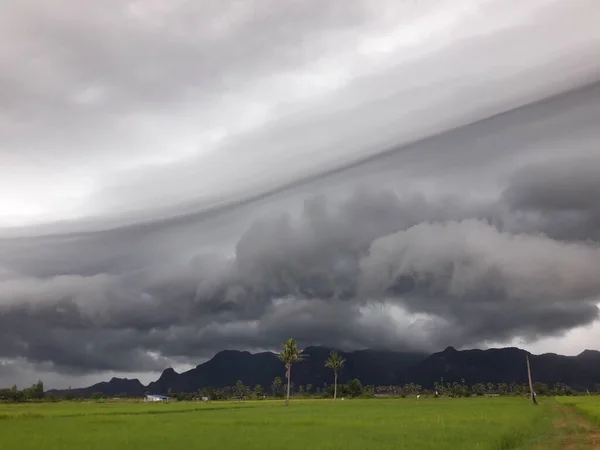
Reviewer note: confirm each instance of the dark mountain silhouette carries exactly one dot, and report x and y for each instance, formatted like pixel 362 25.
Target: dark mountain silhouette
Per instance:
pixel 505 365
pixel 379 367
pixel 224 369
pixel 114 387
pixel 375 367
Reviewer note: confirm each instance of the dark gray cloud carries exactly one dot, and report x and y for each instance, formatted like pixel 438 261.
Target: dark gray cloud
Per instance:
pixel 565 184
pixel 335 274
pixel 245 172
pixel 313 259
pixel 559 197
pixel 490 284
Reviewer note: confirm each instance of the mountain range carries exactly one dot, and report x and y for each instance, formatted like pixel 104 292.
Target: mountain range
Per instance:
pixel 374 367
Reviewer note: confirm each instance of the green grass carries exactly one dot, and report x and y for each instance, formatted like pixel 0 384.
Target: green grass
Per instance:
pixel 588 406
pixel 490 423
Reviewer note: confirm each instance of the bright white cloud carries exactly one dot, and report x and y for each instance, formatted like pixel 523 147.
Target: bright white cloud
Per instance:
pixel 301 94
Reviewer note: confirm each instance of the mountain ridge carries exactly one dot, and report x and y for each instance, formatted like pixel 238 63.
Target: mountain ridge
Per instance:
pixel 374 367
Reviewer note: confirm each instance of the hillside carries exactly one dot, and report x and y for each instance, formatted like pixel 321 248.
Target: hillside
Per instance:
pixel 375 367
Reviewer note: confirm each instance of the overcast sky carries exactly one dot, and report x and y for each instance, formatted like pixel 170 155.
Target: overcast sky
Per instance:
pixel 177 178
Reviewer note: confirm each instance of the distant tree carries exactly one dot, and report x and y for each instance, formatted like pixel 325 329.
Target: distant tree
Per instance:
pixel 240 389
pixel 258 391
pixel 335 362
pixel 289 355
pixel 403 391
pixel 219 394
pixel 342 391
pixel 448 390
pixel 327 392
pixel 503 389
pixel 181 396
pixel 308 389
pixel 227 392
pixel 354 387
pixel 34 392
pixel 540 388
pixel 300 389
pixel 97 395
pixel 478 389
pixel 513 388
pixel 14 394
pixel 276 386
pixel 207 392
pixel 411 389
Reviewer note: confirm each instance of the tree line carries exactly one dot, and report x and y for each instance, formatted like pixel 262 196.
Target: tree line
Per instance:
pixel 462 389
pixel 352 389
pixel 14 395
pixel 277 390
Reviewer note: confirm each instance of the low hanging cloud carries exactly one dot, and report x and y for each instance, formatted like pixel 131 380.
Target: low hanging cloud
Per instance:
pixel 489 284
pixel 465 259
pixel 444 268
pixel 558 196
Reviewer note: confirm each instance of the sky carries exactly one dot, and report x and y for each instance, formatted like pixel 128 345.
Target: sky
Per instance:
pixel 178 178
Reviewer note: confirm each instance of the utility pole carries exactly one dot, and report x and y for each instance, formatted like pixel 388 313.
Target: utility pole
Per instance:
pixel 533 400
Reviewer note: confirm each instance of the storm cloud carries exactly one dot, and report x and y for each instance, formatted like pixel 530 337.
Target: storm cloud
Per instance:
pixel 178 179
pixel 323 275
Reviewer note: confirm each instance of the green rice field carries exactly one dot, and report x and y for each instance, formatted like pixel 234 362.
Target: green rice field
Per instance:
pixel 475 423
pixel 586 406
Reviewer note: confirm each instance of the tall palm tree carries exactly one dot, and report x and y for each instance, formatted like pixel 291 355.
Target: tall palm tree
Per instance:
pixel 335 362
pixel 289 355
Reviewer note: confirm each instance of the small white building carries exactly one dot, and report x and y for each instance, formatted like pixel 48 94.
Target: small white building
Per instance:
pixel 156 398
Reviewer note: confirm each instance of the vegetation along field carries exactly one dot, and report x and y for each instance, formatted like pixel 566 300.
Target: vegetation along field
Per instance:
pixel 584 405
pixel 426 423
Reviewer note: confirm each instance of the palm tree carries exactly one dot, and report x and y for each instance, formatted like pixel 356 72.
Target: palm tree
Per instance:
pixel 335 362
pixel 289 355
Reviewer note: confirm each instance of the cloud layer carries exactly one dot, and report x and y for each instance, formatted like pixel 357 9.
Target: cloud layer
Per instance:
pixel 407 175
pixel 125 106
pixel 370 268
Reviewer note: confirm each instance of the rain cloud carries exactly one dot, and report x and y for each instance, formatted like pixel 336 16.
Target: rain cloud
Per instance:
pixel 189 178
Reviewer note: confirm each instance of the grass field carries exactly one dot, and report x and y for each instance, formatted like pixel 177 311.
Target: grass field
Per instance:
pixel 478 423
pixel 587 406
